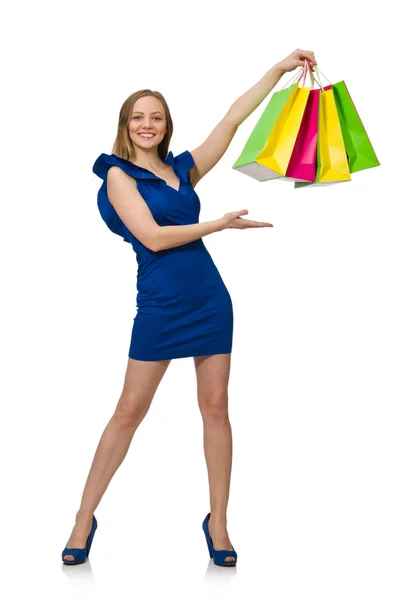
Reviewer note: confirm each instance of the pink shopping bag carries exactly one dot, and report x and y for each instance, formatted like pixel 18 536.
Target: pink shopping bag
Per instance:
pixel 303 159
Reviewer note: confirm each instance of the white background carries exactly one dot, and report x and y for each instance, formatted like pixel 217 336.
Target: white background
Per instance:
pixel 312 394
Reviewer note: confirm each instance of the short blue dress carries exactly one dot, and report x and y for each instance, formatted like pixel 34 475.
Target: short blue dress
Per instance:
pixel 183 306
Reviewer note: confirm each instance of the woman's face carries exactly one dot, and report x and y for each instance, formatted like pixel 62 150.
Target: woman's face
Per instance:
pixel 147 116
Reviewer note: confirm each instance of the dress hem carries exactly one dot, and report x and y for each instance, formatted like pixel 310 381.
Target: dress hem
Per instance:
pixel 182 355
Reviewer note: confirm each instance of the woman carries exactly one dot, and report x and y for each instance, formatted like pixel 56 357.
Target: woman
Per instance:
pixel 184 308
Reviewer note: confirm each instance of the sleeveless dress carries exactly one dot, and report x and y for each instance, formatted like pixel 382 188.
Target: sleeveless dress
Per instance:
pixel 183 306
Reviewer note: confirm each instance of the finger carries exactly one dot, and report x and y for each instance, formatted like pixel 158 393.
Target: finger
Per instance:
pixel 308 54
pixel 255 223
pixel 311 61
pixel 313 58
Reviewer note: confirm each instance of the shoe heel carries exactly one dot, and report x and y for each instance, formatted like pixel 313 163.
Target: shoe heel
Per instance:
pixel 210 548
pixel 91 536
pixel 207 536
pixel 89 545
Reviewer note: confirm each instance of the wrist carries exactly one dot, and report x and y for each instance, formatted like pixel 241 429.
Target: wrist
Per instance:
pixel 218 224
pixel 278 70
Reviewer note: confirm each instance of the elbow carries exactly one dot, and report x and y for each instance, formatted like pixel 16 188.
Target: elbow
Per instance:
pixel 155 241
pixel 155 244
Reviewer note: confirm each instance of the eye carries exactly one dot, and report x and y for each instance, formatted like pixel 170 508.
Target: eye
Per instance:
pixel 138 117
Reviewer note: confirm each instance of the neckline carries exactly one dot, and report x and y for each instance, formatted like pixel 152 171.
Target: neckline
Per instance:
pixel 169 160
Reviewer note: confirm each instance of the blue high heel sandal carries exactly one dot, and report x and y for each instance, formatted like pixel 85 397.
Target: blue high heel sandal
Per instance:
pixel 218 555
pixel 80 554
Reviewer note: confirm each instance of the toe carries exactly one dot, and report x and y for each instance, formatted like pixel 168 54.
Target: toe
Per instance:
pixel 69 557
pixel 229 559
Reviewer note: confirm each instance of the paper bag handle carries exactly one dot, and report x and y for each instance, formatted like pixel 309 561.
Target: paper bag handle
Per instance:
pixel 303 73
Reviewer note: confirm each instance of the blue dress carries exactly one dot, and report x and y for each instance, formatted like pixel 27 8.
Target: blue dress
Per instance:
pixel 183 306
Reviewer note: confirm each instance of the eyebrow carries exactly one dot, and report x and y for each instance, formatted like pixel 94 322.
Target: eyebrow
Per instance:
pixel 141 113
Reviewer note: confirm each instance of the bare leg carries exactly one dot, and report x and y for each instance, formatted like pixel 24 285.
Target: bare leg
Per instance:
pixel 212 392
pixel 141 381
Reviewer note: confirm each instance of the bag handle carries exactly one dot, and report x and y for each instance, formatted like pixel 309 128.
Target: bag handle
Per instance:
pixel 294 77
pixel 303 74
pixel 305 69
pixel 317 72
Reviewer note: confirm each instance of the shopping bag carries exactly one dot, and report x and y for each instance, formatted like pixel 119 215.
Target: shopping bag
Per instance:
pixel 332 163
pixel 302 166
pixel 268 150
pixel 360 152
pixel 246 163
pixel 332 160
pixel 278 149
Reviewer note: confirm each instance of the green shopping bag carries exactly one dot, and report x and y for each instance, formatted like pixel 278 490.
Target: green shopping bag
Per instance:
pixel 280 102
pixel 359 149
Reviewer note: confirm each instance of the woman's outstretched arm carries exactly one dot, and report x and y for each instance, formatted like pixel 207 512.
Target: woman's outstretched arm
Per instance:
pixel 207 155
pixel 137 217
pixel 249 101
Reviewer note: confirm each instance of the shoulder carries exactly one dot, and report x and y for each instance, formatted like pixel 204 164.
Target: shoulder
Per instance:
pixel 116 174
pixel 110 163
pixel 185 160
pixel 119 184
pixel 106 162
pixel 186 167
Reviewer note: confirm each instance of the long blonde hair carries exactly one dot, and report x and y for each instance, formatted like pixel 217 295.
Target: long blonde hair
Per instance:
pixel 122 146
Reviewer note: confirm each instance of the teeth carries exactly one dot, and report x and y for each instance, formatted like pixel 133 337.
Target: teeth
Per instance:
pixel 146 135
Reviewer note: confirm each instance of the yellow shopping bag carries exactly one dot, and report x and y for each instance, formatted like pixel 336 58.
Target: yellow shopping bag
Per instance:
pixel 278 149
pixel 332 163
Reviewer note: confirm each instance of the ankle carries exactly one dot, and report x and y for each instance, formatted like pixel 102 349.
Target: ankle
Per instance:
pixel 219 521
pixel 84 514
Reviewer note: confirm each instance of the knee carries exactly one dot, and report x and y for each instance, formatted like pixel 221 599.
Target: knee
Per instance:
pixel 130 410
pixel 214 407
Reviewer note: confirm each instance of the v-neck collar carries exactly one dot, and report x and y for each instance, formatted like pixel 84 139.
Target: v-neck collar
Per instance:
pixel 149 174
